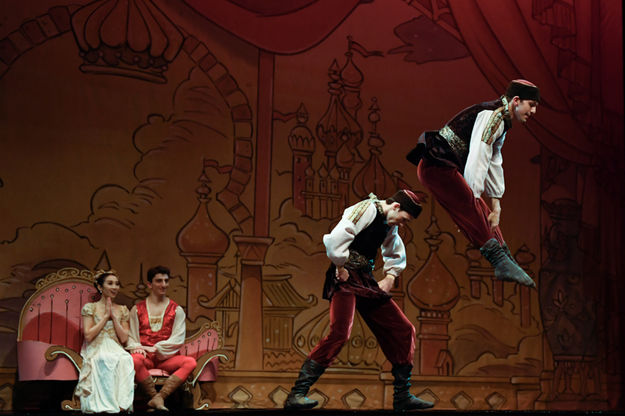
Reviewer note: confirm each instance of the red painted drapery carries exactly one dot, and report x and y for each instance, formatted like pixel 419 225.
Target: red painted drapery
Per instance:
pixel 500 39
pixel 281 27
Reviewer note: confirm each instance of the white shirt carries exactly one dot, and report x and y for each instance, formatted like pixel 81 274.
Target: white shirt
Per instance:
pixel 484 168
pixel 337 242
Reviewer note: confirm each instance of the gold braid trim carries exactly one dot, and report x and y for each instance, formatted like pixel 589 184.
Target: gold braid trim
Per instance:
pixel 361 208
pixel 493 124
pixel 495 120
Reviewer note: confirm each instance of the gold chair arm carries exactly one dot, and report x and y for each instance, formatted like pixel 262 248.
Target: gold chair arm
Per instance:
pixel 53 352
pixel 222 354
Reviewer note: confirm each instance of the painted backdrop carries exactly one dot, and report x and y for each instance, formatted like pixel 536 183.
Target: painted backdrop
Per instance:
pixel 224 138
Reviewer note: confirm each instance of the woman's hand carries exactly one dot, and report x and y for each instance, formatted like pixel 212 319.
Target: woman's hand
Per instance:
pixel 387 283
pixel 108 309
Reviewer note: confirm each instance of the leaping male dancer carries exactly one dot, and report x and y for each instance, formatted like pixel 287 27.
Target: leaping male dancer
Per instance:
pixel 462 161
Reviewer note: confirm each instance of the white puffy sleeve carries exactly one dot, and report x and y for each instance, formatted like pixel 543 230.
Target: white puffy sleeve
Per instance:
pixel 170 346
pixel 484 168
pixel 134 339
pixel 495 186
pixel 355 219
pixel 393 253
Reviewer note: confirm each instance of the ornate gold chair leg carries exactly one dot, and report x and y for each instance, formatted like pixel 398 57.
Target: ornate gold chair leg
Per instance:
pixel 73 404
pixel 199 402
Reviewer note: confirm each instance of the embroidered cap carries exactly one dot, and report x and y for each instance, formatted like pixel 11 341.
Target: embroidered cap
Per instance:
pixel 408 201
pixel 523 89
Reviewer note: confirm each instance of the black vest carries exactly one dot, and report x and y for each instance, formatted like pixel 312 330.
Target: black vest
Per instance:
pixel 368 241
pixel 450 145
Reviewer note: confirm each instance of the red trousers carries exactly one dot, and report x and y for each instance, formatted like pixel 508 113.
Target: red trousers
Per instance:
pixel 179 365
pixel 394 332
pixel 453 193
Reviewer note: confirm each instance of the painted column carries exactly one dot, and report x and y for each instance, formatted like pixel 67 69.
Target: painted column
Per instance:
pixel 250 346
pixel 253 248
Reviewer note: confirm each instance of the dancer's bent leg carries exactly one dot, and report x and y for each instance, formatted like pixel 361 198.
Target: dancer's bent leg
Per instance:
pixel 342 309
pixel 471 215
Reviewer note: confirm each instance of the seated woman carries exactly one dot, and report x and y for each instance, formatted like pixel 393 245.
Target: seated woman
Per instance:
pixel 106 380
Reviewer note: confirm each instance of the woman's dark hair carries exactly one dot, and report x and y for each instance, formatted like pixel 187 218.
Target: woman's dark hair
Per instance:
pixel 157 270
pixel 101 277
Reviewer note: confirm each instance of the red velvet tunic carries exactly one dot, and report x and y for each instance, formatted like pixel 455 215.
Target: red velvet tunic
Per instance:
pixel 149 337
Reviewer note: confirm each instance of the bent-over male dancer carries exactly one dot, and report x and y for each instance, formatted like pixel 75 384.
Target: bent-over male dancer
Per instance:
pixel 352 246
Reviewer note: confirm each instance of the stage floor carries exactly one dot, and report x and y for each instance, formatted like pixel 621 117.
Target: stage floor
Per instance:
pixel 325 412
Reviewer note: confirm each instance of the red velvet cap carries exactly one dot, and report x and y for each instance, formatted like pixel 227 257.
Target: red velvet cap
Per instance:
pixel 523 89
pixel 408 201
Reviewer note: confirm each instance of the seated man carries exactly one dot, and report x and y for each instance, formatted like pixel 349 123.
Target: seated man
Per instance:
pixel 157 331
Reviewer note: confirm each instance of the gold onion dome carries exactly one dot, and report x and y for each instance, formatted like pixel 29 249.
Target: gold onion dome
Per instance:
pixel 433 287
pixel 200 235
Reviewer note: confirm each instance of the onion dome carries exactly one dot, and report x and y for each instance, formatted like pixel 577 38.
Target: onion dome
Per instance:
pixel 301 138
pixel 433 287
pixel 336 125
pixel 345 158
pixel 362 351
pixel 373 177
pixel 200 236
pixel 127 38
pixel 351 76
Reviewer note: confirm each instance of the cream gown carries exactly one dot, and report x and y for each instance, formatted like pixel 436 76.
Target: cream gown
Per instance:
pixel 106 380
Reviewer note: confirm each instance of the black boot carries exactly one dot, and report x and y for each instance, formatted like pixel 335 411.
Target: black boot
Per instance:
pixel 505 267
pixel 402 398
pixel 297 400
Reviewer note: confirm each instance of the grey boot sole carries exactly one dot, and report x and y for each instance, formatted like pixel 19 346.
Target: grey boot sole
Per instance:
pixel 303 403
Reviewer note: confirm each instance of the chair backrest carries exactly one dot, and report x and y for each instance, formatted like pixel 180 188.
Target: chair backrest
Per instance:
pixel 52 313
pixel 206 339
pixel 51 316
